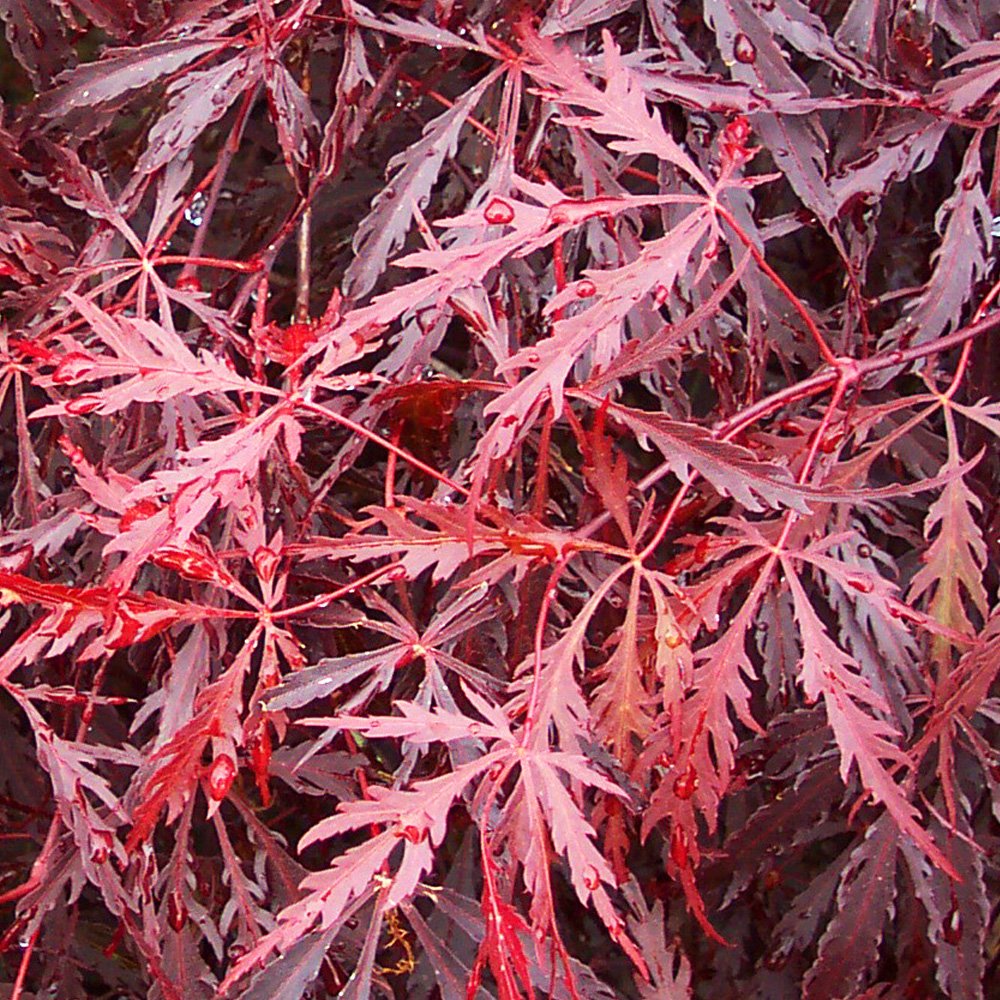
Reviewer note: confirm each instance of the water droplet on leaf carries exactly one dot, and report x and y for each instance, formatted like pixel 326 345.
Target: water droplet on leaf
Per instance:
pixel 220 777
pixel 195 212
pixel 83 405
pixel 744 50
pixel 498 213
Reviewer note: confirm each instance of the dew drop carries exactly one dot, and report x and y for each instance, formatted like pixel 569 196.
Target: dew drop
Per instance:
pixel 585 289
pixel 591 878
pixel 865 550
pixel 660 294
pixel 74 367
pixel 744 50
pixel 195 212
pixel 673 639
pixel 83 405
pixel 220 777
pixel 498 213
pixel 953 928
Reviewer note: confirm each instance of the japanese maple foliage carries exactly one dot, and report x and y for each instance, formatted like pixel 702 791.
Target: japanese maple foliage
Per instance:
pixel 499 500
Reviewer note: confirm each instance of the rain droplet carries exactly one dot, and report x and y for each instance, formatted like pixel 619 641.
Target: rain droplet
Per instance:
pixel 498 213
pixel 195 212
pixel 744 50
pixel 586 288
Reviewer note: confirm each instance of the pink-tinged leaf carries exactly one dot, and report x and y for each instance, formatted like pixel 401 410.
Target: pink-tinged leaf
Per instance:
pixel 964 221
pixel 951 576
pixel 416 816
pixel 157 365
pixel 81 187
pixel 709 735
pixel 40 249
pixel 978 74
pixel 418 725
pixel 669 968
pixel 797 26
pixel 618 110
pixel 412 175
pixel 36 35
pixel 958 916
pixel 731 469
pixel 195 100
pixel 797 143
pixel 562 18
pixel 863 737
pixel 288 976
pixel 597 329
pixel 330 893
pixel 297 127
pixel 904 148
pixel 621 707
pixel 118 73
pixel 849 947
pixel 420 30
pixel 207 474
pixel 865 30
pixel 572 835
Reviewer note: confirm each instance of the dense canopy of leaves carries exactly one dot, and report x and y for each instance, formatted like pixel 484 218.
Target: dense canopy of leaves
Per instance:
pixel 499 499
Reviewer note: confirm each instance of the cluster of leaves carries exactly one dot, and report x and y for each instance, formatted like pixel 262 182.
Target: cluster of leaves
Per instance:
pixel 577 577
